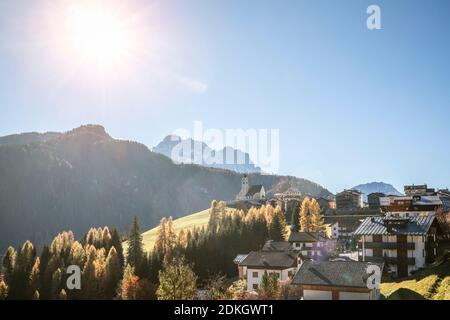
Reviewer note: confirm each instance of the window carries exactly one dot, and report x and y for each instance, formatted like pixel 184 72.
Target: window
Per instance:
pixel 255 286
pixel 255 274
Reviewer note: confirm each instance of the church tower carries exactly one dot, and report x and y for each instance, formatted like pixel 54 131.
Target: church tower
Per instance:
pixel 245 185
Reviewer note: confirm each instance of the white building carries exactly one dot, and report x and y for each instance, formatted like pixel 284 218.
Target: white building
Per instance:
pixel 311 245
pixel 250 192
pixel 336 280
pixel 256 263
pixel 405 244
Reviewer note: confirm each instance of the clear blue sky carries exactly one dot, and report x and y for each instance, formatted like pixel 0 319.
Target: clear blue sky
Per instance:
pixel 352 105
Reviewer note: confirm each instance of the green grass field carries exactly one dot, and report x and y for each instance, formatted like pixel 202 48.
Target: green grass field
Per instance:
pixel 432 283
pixel 198 219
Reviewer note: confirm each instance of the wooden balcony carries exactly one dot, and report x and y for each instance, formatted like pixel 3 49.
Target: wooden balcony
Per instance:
pixel 388 245
pixel 390 260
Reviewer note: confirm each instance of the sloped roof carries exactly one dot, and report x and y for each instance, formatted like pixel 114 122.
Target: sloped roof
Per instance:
pixel 334 273
pixel 239 258
pixel 305 237
pixel 267 259
pixel 254 189
pixel 271 245
pixel 418 225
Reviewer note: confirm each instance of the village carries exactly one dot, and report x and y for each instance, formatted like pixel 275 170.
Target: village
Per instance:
pixel 394 235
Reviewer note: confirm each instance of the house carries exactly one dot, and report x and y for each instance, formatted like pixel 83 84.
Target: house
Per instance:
pixel 405 244
pixel 349 199
pixel 406 206
pixel 271 245
pixel 336 280
pixel 241 269
pixel 311 245
pixel 374 199
pixel 419 190
pixel 250 192
pixel 256 263
pixel 326 203
pixel 287 200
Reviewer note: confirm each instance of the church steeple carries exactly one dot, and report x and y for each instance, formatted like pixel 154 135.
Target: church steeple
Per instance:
pixel 245 185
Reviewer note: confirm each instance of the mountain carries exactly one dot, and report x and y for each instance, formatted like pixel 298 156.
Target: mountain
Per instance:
pixel 197 152
pixel 85 178
pixel 372 187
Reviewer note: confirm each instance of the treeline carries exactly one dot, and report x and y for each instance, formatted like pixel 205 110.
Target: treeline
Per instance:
pixel 178 265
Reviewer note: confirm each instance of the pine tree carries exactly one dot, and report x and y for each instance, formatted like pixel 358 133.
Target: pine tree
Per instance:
pixel 277 229
pixel 35 277
pixel 20 284
pixel 116 242
pixel 305 219
pixel 177 281
pixel 135 252
pixel 295 221
pixel 270 286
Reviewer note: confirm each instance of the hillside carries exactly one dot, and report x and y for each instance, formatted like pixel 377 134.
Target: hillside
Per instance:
pixel 431 283
pixel 85 178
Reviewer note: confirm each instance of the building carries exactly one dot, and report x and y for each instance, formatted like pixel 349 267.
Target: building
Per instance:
pixel 405 206
pixel 241 269
pixel 256 263
pixel 405 244
pixel 349 199
pixel 373 200
pixel 311 245
pixel 271 245
pixel 326 203
pixel 250 192
pixel 287 200
pixel 343 226
pixel 336 280
pixel 444 196
pixel 420 190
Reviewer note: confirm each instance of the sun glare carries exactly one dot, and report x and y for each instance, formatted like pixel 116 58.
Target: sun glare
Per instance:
pixel 98 35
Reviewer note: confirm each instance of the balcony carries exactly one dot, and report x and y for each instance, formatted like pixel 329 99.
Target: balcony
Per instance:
pixel 388 245
pixel 390 260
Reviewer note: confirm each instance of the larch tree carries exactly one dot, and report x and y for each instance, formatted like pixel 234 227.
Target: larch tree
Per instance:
pixel 317 221
pixel 212 223
pixel 3 290
pixel 305 218
pixel 113 273
pixel 177 281
pixel 8 263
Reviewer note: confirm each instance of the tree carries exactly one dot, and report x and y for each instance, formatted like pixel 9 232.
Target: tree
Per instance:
pixel 216 288
pixel 317 221
pixel 212 223
pixel 135 252
pixel 295 221
pixel 127 286
pixel 20 284
pixel 62 295
pixel 270 287
pixel 166 239
pixel 116 242
pixel 56 283
pixel 113 273
pixel 3 290
pixel 9 262
pixel 277 229
pixel 305 219
pixel 177 281
pixel 35 277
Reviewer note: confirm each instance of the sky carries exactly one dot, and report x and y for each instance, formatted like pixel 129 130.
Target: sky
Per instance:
pixel 352 105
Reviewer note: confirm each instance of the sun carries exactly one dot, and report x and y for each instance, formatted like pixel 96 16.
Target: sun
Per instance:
pixel 98 34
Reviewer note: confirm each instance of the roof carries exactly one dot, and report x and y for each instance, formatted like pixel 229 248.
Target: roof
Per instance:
pixel 271 245
pixel 239 258
pixel 416 200
pixel 350 191
pixel 403 226
pixel 254 189
pixel 334 273
pixel 305 237
pixel 274 259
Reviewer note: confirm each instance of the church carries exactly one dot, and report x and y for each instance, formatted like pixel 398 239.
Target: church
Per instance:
pixel 249 192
